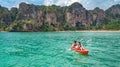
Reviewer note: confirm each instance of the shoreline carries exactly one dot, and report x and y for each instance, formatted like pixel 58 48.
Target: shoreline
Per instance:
pixel 71 31
pixel 91 31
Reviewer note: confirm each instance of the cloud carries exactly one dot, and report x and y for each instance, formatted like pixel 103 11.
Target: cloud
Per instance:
pixel 48 2
pixel 60 2
pixel 117 0
pixel 66 2
pixel 11 3
pixel 103 4
pixel 88 4
pixel 15 3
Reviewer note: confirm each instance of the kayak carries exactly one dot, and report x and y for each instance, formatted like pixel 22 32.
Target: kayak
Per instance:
pixel 83 51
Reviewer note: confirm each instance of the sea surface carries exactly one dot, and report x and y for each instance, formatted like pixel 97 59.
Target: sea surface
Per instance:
pixel 52 49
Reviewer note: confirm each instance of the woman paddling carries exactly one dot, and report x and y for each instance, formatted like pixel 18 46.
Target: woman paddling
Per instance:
pixel 80 46
pixel 74 44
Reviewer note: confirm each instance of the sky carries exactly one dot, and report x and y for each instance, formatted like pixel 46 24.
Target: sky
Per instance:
pixel 88 4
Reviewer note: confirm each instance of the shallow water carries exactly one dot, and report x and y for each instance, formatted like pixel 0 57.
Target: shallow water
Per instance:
pixel 52 49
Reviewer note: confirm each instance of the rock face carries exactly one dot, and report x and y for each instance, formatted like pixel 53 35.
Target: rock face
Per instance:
pixel 13 12
pixel 36 13
pixel 51 19
pixel 27 12
pixel 34 17
pixel 97 16
pixel 113 12
pixel 76 15
pixel 5 15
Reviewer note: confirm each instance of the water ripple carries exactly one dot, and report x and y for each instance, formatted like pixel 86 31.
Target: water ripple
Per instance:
pixel 52 49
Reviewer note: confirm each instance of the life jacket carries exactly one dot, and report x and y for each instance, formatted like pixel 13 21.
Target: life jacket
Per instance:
pixel 75 44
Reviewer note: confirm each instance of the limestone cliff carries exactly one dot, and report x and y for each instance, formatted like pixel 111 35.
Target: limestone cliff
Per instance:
pixel 29 17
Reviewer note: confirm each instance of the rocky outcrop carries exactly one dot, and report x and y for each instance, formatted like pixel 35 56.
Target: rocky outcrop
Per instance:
pixel 27 11
pixel 76 15
pixel 34 17
pixel 97 16
pixel 13 13
pixel 113 12
pixel 5 16
pixel 51 19
pixel 36 13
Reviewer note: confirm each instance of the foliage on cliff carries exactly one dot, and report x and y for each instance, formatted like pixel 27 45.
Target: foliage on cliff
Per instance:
pixel 29 17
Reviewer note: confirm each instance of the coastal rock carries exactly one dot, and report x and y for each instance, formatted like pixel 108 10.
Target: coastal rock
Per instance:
pixel 5 16
pixel 51 19
pixel 113 12
pixel 13 13
pixel 77 15
pixel 29 17
pixel 97 16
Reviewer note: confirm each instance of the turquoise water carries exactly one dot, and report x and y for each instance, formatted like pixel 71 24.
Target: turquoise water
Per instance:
pixel 52 49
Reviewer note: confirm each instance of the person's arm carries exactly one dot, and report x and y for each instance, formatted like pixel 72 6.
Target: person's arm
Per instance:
pixel 82 46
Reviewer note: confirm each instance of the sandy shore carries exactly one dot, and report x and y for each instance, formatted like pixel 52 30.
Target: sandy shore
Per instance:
pixel 3 31
pixel 81 31
pixel 92 31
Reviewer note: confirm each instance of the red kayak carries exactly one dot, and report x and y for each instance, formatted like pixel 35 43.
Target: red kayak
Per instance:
pixel 83 51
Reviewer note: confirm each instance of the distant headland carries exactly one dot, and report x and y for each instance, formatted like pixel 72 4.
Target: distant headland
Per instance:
pixel 29 17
